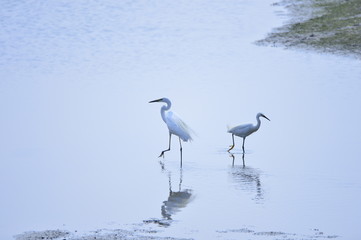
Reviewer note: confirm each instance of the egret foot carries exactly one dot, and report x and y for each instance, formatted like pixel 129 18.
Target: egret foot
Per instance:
pixel 231 147
pixel 162 153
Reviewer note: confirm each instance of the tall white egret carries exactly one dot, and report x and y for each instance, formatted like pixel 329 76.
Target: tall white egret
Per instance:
pixel 245 130
pixel 175 125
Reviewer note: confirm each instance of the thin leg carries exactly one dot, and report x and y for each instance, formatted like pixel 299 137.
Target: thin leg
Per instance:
pixel 170 138
pixel 232 159
pixel 231 147
pixel 243 144
pixel 243 160
pixel 180 144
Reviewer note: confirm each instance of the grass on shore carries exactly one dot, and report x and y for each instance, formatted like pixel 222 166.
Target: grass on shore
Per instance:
pixel 325 25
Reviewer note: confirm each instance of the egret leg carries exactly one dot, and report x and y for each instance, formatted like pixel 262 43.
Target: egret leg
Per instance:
pixel 231 147
pixel 162 153
pixel 180 144
pixel 243 144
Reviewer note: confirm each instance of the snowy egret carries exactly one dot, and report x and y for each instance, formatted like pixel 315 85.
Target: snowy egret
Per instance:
pixel 245 130
pixel 175 125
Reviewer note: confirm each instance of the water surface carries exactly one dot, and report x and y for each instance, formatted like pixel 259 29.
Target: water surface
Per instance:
pixel 80 143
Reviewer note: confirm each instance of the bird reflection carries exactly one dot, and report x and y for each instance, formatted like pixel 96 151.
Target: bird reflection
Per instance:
pixel 232 156
pixel 177 200
pixel 247 179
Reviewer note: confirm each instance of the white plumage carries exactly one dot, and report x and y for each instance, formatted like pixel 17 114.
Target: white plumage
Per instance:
pixel 175 125
pixel 245 130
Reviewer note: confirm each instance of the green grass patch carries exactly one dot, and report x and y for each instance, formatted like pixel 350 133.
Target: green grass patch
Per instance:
pixel 327 25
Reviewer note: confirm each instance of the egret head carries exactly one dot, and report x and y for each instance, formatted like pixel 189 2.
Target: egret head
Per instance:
pixel 262 115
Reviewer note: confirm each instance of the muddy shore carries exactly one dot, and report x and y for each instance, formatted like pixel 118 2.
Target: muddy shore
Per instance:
pixel 143 234
pixel 332 26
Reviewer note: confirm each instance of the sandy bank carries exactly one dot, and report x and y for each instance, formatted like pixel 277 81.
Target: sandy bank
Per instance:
pixel 332 26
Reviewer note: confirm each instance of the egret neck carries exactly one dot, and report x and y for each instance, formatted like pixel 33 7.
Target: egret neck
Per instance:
pixel 165 108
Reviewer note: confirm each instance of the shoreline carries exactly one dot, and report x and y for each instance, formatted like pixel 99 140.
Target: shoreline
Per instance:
pixel 327 26
pixel 147 234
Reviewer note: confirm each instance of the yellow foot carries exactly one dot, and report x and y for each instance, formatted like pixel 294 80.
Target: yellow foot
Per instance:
pixel 231 147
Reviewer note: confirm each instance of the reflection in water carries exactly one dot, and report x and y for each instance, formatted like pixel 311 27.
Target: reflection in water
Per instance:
pixel 232 156
pixel 247 179
pixel 176 200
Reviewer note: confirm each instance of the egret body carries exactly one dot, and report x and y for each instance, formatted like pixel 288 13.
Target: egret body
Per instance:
pixel 175 125
pixel 245 130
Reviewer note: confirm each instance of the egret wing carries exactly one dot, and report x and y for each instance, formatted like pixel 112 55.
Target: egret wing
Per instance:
pixel 240 129
pixel 177 127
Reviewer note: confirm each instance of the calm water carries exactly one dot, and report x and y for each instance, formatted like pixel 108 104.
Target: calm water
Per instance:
pixel 79 141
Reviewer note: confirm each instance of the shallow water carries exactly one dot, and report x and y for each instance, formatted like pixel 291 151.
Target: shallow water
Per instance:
pixel 79 141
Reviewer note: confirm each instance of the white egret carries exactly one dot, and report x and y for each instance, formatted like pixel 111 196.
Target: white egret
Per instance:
pixel 245 130
pixel 175 125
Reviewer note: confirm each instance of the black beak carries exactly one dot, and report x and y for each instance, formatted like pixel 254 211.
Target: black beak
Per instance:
pixel 265 117
pixel 157 100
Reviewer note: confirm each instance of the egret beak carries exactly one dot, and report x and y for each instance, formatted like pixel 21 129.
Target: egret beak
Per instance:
pixel 265 117
pixel 157 100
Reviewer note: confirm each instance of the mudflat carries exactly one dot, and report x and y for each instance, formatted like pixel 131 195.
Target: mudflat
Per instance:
pixel 332 26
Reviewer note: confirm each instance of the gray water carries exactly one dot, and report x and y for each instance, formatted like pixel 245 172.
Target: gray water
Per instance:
pixel 79 143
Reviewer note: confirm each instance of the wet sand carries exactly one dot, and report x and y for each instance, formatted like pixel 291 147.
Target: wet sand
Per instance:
pixel 142 234
pixel 99 234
